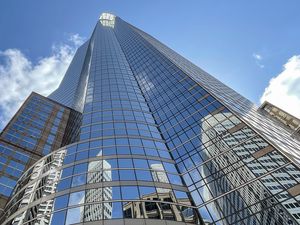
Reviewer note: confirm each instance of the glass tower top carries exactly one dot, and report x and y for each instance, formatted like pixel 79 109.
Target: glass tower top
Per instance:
pixel 107 19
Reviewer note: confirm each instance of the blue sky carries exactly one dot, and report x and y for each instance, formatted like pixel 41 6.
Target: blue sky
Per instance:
pixel 242 43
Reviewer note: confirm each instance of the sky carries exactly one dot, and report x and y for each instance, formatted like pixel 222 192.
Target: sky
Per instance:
pixel 252 46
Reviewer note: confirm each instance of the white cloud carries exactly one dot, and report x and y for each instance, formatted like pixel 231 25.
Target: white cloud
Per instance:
pixel 76 39
pixel 258 58
pixel 20 76
pixel 284 89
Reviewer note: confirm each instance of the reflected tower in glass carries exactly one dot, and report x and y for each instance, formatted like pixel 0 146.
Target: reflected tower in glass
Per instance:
pixel 153 139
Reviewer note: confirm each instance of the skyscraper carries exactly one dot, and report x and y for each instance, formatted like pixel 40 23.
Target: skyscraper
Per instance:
pixel 147 138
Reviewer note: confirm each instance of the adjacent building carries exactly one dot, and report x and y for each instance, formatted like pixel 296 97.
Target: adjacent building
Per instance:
pixel 136 134
pixel 282 116
pixel 39 127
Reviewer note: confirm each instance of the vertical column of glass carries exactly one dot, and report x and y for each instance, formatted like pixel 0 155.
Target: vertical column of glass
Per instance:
pixel 112 91
pixel 125 149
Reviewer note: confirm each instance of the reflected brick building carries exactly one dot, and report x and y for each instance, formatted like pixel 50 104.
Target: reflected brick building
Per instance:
pixel 136 134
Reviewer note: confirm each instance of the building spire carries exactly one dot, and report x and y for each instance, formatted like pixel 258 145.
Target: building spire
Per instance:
pixel 107 19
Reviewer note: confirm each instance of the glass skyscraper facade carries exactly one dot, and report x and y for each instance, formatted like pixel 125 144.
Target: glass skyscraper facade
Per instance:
pixel 136 134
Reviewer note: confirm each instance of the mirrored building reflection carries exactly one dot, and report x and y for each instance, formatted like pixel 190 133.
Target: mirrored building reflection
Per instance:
pixel 136 134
